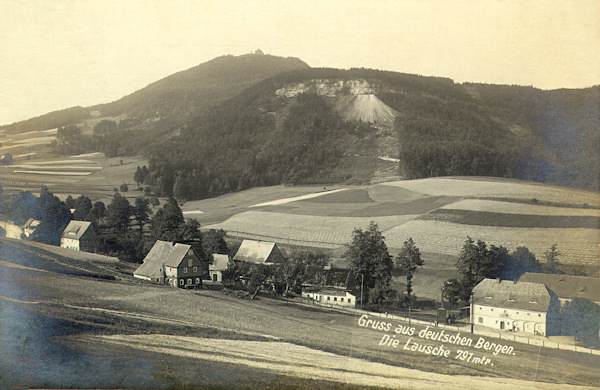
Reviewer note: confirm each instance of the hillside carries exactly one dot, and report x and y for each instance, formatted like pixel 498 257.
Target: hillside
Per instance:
pixel 257 120
pixel 176 97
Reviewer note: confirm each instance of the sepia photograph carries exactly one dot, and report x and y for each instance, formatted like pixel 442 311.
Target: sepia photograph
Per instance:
pixel 278 194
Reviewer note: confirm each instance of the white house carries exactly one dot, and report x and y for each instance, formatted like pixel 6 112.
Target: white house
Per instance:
pixel 219 264
pixel 515 306
pixel 80 236
pixel 334 297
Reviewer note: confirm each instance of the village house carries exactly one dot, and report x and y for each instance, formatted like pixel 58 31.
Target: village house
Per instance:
pixel 29 227
pixel 567 287
pixel 80 236
pixel 515 306
pixel 218 266
pixel 330 296
pixel 579 298
pixel 259 252
pixel 176 264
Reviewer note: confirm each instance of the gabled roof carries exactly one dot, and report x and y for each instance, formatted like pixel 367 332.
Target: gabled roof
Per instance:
pixel 512 295
pixel 31 224
pixel 76 229
pixel 163 253
pixel 167 253
pixel 567 286
pixel 259 252
pixel 220 262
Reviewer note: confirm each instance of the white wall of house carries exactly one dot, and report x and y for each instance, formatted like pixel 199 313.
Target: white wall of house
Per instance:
pixel 216 276
pixel 528 321
pixel 70 243
pixel 348 300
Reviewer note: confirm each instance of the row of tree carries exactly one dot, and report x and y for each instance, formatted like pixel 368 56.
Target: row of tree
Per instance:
pixel 478 261
pixel 372 267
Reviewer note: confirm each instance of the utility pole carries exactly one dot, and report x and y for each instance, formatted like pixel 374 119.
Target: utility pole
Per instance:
pixel 362 280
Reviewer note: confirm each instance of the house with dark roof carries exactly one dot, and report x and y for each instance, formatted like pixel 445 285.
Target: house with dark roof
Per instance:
pixel 567 287
pixel 171 263
pixel 80 236
pixel 516 306
pixel 259 252
pixel 219 264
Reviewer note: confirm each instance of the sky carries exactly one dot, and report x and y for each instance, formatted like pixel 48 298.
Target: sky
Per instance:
pixel 56 54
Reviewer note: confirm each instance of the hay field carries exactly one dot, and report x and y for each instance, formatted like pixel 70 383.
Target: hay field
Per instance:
pixel 438 219
pixel 578 246
pixel 501 189
pixel 495 206
pixel 309 229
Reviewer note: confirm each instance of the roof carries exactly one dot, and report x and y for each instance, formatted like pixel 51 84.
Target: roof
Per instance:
pixel 31 224
pixel 163 253
pixel 259 252
pixel 220 262
pixel 567 286
pixel 512 295
pixel 76 229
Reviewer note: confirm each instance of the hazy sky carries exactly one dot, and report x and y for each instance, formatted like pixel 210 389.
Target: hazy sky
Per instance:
pixel 61 53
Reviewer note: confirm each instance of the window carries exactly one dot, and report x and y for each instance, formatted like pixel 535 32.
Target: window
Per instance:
pixel 197 280
pixel 517 312
pixel 185 270
pixel 195 269
pixel 181 282
pixel 528 313
pixel 481 320
pixel 342 299
pixel 480 308
pixel 492 309
pixel 349 300
pixel 328 298
pixel 189 281
pixel 335 299
pixel 539 315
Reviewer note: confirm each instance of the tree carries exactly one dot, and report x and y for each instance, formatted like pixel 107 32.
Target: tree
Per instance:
pixel 98 211
pixel 213 241
pixel 521 260
pixel 167 221
pixel 552 260
pixel 370 260
pixel 141 212
pixel 123 187
pixel 54 216
pixel 138 176
pixel 259 275
pixel 83 207
pixel 70 202
pixel 452 291
pixel 104 127
pixel 408 261
pixel 477 262
pixel 119 213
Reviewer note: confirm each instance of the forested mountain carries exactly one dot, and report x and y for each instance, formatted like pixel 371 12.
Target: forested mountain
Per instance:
pixel 255 120
pixel 176 97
